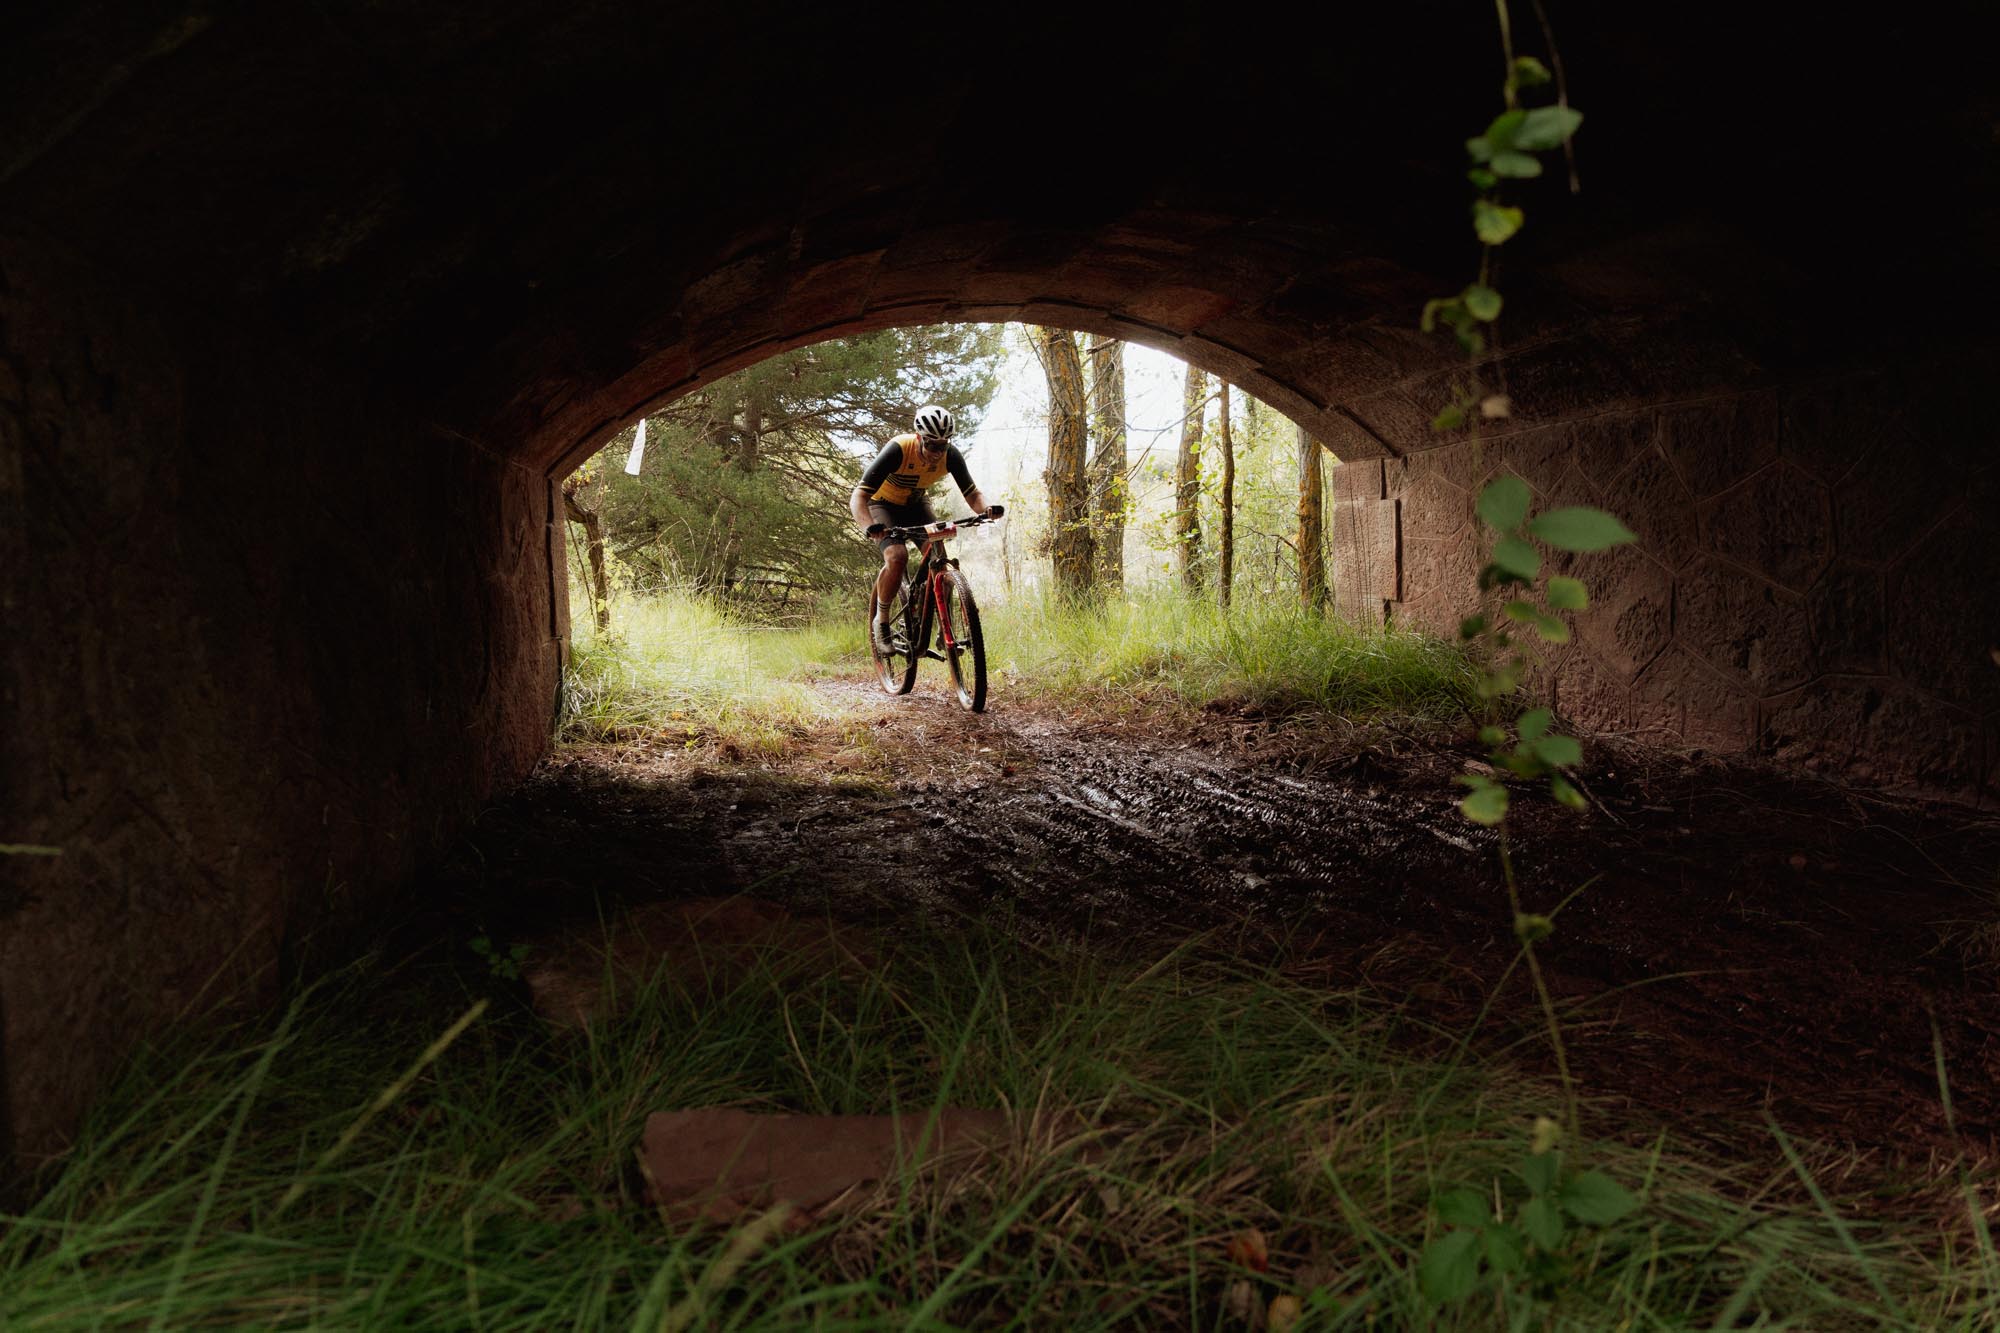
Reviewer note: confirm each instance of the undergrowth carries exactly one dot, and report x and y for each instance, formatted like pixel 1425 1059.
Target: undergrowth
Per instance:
pixel 291 1173
pixel 684 670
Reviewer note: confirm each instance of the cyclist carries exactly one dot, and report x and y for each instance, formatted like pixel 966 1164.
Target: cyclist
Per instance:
pixel 892 492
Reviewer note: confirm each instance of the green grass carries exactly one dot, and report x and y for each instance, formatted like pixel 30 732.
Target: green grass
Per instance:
pixel 685 669
pixel 239 1179
pixel 1160 647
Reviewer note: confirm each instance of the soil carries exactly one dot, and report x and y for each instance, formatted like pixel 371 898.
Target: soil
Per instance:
pixel 1733 941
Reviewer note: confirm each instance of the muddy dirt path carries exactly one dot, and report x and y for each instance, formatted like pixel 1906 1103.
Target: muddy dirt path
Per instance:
pixel 1743 941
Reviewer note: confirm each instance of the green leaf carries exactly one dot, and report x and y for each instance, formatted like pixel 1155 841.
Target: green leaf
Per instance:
pixel 1482 301
pixel 1437 308
pixel 1480 149
pixel 1542 1220
pixel 1514 166
pixel 1505 130
pixel 1494 223
pixel 1503 504
pixel 1451 418
pixel 1596 1199
pixel 1487 805
pixel 1524 612
pixel 1517 557
pixel 1568 594
pixel 1559 751
pixel 1560 788
pixel 1529 72
pixel 1543 128
pixel 1503 1250
pixel 1581 528
pixel 1471 627
pixel 1492 736
pixel 1471 341
pixel 1533 724
pixel 1532 927
pixel 1449 1270
pixel 1463 1208
pixel 1482 178
pixel 1551 629
pixel 1539 1172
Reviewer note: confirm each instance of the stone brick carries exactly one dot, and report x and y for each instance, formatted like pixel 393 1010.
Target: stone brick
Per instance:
pixel 1630 619
pixel 1404 425
pixel 1366 570
pixel 1845 610
pixel 1591 696
pixel 1537 456
pixel 1433 507
pixel 1776 523
pixel 1423 567
pixel 1875 731
pixel 1650 497
pixel 1886 502
pixel 1607 445
pixel 1360 480
pixel 1744 626
pixel 1718 444
pixel 1566 378
pixel 1944 613
pixel 1829 424
pixel 1679 694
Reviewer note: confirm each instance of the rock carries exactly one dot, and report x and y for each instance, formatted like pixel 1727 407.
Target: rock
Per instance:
pixel 715 1163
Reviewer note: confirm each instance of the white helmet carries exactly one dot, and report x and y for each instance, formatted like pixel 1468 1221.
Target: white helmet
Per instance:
pixel 935 422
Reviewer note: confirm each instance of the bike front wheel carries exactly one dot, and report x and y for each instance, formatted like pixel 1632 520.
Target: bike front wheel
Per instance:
pixel 964 646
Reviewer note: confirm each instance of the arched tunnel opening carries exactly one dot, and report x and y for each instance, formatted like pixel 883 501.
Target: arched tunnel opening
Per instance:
pixel 303 329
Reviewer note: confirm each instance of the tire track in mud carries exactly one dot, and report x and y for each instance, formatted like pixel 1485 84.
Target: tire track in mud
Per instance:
pixel 1746 941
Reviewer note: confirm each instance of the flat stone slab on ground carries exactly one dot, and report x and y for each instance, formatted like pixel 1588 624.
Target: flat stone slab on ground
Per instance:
pixel 717 1162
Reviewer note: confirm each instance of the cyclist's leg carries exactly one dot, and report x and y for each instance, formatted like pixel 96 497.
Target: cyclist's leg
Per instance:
pixel 895 558
pixel 895 554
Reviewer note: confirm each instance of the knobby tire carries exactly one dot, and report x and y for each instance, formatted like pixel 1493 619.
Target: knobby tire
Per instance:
pixel 965 653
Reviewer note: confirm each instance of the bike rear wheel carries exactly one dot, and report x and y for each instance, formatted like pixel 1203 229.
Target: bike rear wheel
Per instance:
pixel 896 669
pixel 964 646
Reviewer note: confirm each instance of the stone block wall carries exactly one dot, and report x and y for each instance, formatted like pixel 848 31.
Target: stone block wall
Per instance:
pixel 264 642
pixel 1817 576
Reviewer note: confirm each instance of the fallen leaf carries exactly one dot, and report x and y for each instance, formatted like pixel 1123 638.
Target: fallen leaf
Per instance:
pixel 1240 1301
pixel 1284 1312
pixel 1250 1249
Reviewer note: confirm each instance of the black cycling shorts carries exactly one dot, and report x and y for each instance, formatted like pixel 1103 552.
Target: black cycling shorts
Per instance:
pixel 917 511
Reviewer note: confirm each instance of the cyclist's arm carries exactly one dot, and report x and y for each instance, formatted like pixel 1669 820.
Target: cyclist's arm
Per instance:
pixel 962 474
pixel 872 478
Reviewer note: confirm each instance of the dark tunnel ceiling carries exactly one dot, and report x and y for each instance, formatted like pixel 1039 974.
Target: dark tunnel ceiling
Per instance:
pixel 500 211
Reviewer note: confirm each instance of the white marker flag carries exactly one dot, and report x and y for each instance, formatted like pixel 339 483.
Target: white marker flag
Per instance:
pixel 638 450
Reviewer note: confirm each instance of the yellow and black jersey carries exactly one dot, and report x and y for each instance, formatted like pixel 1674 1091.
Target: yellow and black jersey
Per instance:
pixel 901 473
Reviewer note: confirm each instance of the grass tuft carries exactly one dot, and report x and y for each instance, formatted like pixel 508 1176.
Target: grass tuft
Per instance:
pixel 488 1182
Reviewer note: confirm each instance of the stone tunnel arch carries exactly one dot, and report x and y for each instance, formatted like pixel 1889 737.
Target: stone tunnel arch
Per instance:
pixel 299 326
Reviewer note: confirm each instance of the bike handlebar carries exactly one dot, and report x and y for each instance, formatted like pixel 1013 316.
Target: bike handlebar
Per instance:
pixel 941 528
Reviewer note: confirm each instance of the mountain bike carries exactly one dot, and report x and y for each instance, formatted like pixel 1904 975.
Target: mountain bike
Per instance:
pixel 938 618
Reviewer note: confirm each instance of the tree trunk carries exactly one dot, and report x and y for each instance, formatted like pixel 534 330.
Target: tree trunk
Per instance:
pixel 1312 543
pixel 1225 569
pixel 753 430
pixel 1107 463
pixel 1068 482
pixel 593 533
pixel 1187 483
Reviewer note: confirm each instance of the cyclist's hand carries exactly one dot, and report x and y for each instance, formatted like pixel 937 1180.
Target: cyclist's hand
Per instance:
pixel 994 511
pixel 876 529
